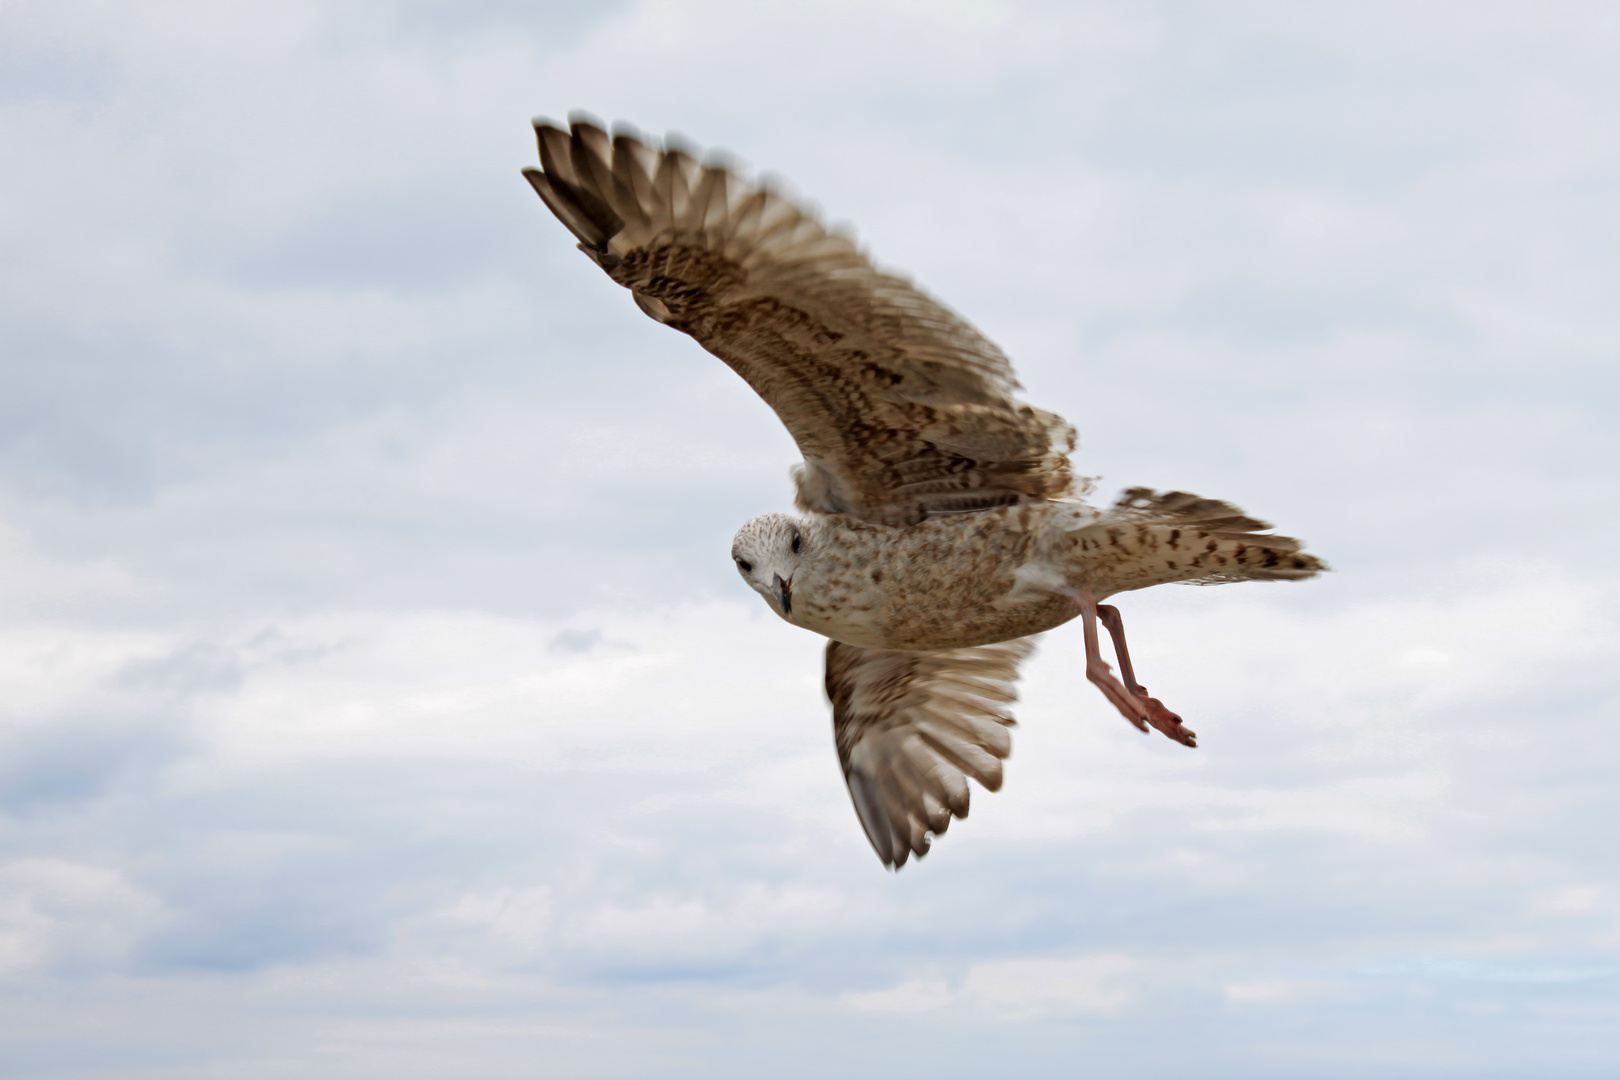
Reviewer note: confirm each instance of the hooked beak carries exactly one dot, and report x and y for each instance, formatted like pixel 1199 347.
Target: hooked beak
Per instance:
pixel 784 594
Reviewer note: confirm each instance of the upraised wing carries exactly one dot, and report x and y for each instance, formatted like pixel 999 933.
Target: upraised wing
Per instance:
pixel 900 408
pixel 912 727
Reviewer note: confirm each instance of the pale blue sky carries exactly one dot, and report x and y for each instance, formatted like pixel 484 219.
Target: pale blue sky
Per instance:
pixel 376 696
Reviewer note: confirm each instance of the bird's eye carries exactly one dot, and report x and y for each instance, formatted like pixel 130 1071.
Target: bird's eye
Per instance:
pixel 744 565
pixel 797 543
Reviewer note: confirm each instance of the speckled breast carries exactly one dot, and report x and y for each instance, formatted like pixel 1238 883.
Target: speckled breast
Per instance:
pixel 941 584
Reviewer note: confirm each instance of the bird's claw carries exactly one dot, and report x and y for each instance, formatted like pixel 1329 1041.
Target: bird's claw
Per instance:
pixel 1145 712
pixel 1166 721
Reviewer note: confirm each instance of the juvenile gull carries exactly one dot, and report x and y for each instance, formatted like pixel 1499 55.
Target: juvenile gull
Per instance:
pixel 941 526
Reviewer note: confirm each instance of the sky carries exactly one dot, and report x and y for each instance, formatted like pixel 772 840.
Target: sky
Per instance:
pixel 376 694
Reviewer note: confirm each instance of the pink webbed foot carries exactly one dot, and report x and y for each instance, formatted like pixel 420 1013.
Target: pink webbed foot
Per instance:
pixel 1166 721
pixel 1128 696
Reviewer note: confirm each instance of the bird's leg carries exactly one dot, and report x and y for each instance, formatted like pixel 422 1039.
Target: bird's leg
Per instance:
pixel 1109 616
pixel 1097 669
pixel 1129 697
pixel 1159 716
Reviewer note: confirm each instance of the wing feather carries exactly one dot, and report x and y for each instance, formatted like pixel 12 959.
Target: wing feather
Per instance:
pixel 635 165
pixel 900 407
pixel 911 728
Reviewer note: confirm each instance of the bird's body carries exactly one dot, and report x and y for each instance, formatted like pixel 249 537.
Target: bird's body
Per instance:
pixel 941 526
pixel 959 580
pixel 945 583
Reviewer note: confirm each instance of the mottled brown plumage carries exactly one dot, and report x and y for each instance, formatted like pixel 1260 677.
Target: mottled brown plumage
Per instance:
pixel 943 527
pixel 911 727
pixel 900 408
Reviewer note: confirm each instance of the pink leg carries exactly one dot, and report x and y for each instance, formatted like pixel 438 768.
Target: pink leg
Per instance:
pixel 1129 697
pixel 1109 616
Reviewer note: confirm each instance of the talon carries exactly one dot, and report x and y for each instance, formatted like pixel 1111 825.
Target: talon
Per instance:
pixel 1169 723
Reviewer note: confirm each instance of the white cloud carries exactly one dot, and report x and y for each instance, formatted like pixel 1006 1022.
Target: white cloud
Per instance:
pixel 914 996
pixel 1272 993
pixel 521 917
pixel 1574 899
pixel 57 913
pixel 1015 989
pixel 1023 988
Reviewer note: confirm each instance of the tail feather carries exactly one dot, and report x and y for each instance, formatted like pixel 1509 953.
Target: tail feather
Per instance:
pixel 1148 538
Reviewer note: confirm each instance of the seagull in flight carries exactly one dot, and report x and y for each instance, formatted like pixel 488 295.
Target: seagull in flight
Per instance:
pixel 940 527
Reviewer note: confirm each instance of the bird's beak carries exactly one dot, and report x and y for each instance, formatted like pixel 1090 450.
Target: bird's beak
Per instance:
pixel 784 594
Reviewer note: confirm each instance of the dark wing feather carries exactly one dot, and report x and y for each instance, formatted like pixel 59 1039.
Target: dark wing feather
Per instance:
pixel 912 727
pixel 900 408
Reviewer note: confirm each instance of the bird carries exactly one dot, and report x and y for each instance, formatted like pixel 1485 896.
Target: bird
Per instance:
pixel 941 527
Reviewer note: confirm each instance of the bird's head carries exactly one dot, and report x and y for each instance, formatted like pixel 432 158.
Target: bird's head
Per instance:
pixel 768 552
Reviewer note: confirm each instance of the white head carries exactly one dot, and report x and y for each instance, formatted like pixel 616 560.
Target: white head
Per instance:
pixel 768 552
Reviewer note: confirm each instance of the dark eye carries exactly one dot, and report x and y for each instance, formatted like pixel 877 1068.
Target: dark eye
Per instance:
pixel 797 543
pixel 744 565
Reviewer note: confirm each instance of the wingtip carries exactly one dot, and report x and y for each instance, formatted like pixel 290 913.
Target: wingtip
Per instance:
pixel 725 161
pixel 588 218
pixel 676 143
pixel 581 118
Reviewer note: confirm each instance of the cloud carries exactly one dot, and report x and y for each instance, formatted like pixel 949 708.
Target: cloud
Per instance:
pixel 1017 989
pixel 57 914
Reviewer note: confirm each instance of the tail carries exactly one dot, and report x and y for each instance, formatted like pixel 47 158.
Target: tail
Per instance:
pixel 1148 538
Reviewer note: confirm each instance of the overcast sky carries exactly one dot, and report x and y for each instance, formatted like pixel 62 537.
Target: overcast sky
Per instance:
pixel 376 694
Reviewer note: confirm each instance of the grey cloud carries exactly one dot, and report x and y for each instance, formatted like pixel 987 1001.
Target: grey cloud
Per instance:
pixel 75 760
